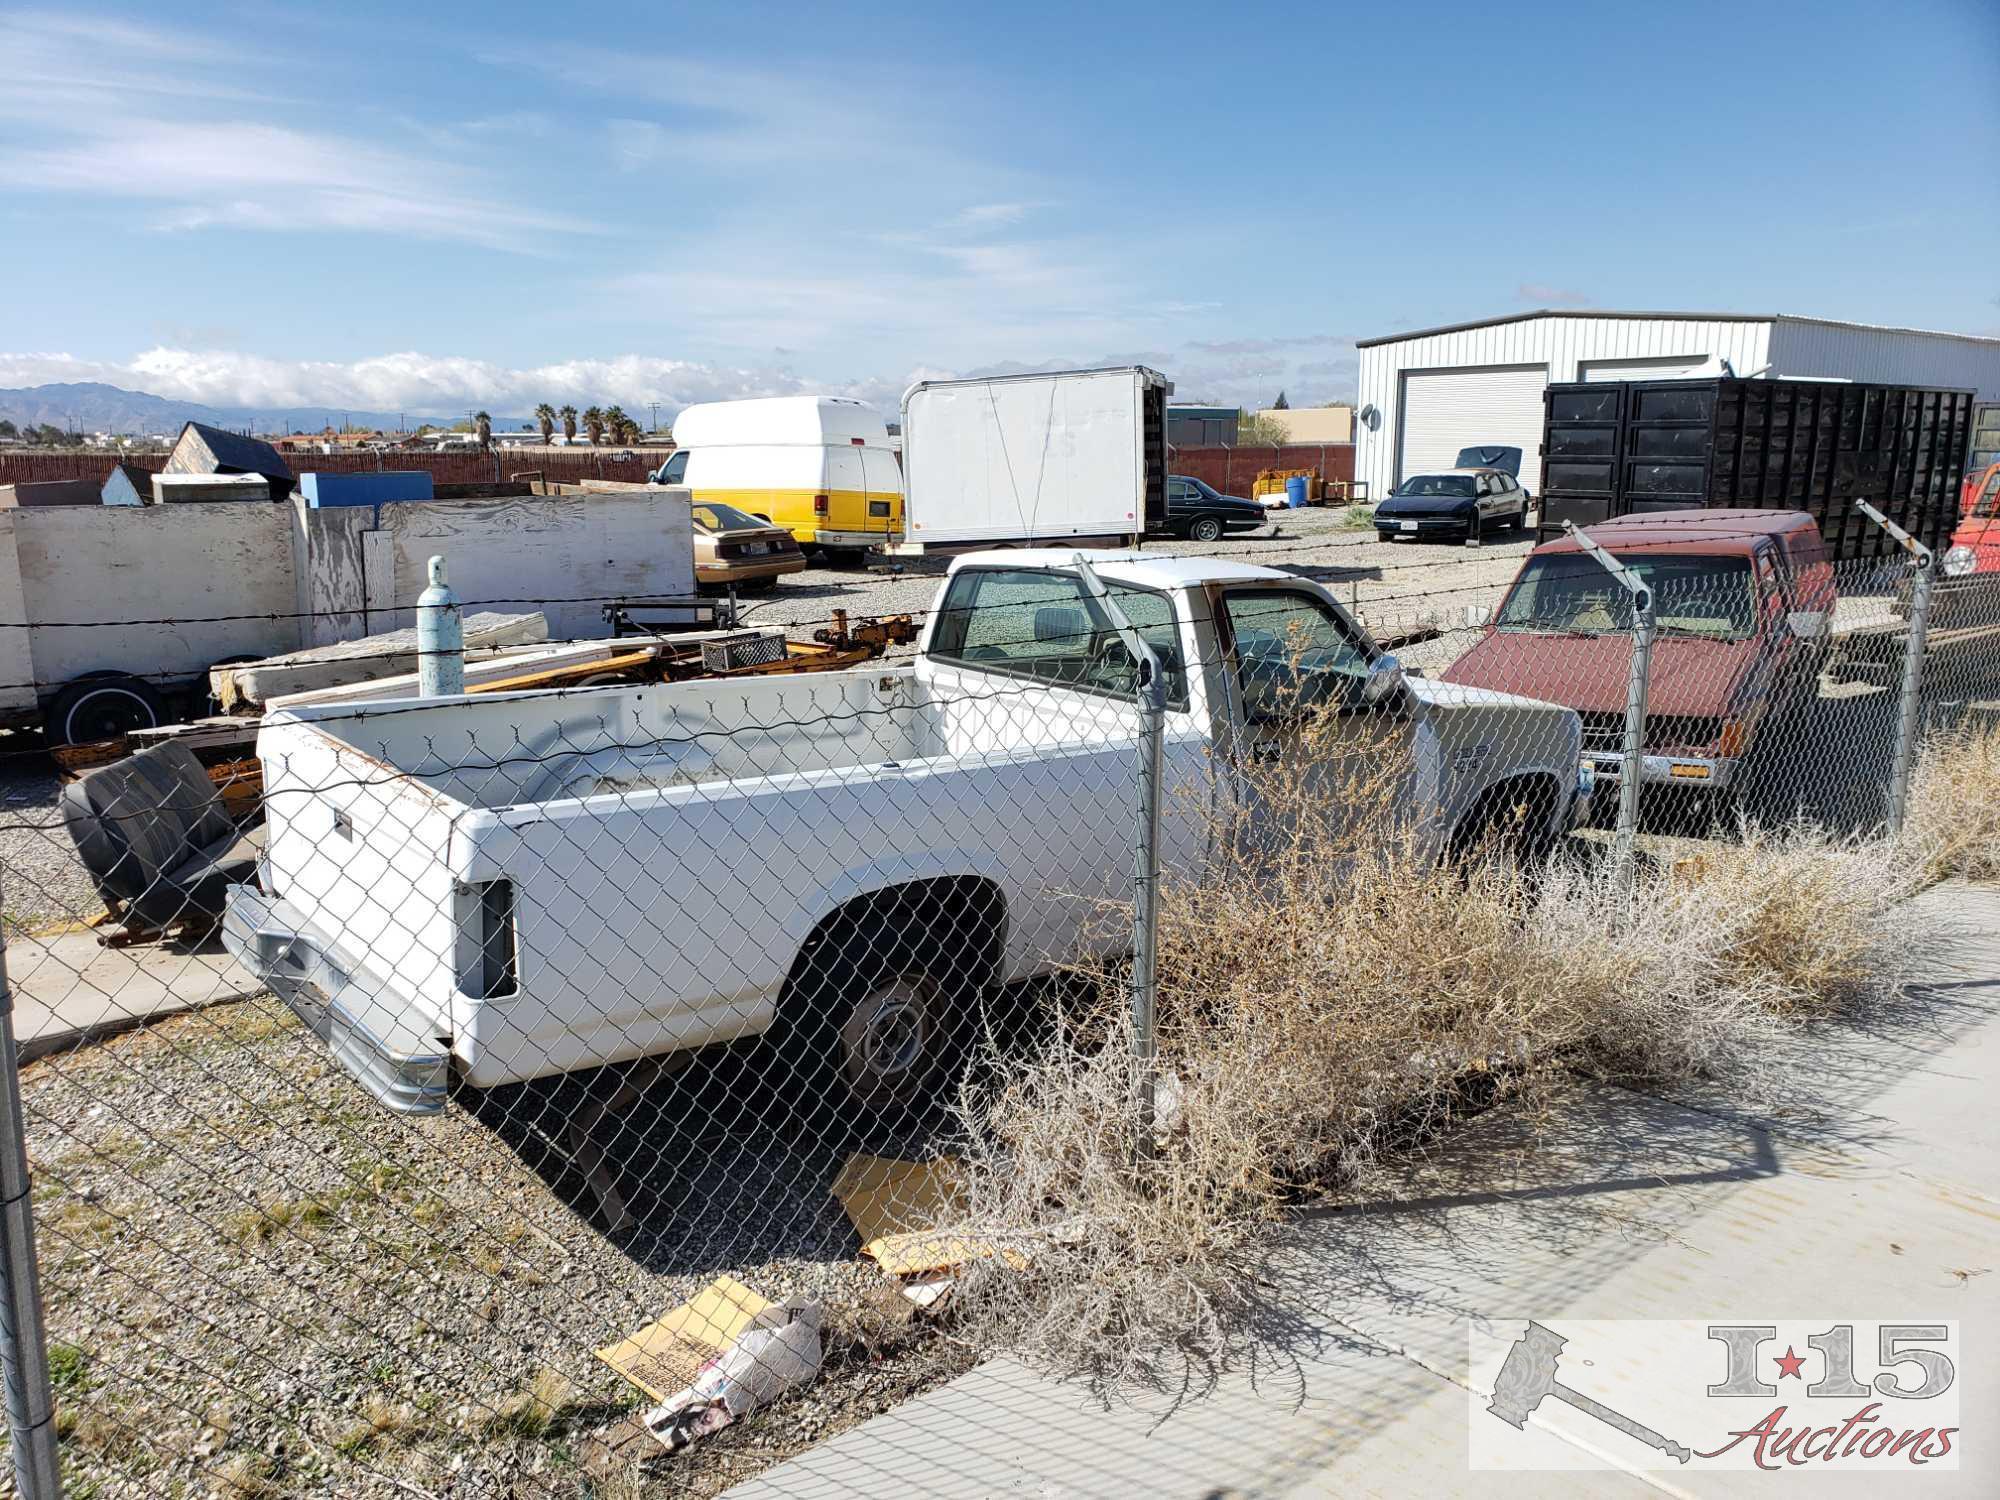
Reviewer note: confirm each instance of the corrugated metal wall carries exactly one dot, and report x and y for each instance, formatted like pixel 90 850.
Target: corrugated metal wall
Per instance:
pixel 1559 344
pixel 1888 355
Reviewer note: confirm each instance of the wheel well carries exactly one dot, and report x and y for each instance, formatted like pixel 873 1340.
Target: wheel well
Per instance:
pixel 966 910
pixel 1534 796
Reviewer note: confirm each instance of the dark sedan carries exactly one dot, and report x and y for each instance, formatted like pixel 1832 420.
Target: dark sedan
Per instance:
pixel 1202 514
pixel 1454 502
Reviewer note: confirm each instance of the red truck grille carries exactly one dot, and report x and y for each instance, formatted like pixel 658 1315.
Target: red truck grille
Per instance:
pixel 1665 733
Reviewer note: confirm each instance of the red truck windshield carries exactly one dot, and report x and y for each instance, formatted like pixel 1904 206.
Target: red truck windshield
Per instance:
pixel 1568 593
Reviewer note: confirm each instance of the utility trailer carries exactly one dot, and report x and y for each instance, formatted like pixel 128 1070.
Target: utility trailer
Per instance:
pixel 1614 448
pixel 111 617
pixel 1067 456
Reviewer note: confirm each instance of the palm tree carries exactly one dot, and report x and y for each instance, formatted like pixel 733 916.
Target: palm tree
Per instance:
pixel 485 429
pixel 545 418
pixel 568 416
pixel 616 420
pixel 593 423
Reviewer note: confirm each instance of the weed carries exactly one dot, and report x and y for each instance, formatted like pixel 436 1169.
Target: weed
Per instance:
pixel 380 1420
pixel 535 1411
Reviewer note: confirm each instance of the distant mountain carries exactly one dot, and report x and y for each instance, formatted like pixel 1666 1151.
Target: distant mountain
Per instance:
pixel 90 406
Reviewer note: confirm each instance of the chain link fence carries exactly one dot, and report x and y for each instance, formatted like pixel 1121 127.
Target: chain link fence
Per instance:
pixel 512 1089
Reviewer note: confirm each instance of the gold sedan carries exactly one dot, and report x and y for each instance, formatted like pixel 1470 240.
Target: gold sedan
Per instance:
pixel 733 549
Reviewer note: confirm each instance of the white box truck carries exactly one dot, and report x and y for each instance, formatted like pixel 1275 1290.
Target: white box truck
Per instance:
pixel 1069 455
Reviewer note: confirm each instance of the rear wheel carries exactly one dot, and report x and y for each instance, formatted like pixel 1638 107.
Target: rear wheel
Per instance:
pixel 102 707
pixel 880 1017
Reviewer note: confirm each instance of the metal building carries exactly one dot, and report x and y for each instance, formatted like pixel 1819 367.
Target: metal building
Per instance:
pixel 1425 395
pixel 1202 426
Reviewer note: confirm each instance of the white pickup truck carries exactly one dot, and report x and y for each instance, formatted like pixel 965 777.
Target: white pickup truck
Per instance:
pixel 516 886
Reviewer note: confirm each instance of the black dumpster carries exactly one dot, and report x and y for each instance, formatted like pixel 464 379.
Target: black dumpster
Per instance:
pixel 1611 448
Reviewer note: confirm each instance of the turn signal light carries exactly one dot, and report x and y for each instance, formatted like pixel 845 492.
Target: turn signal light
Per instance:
pixel 1734 739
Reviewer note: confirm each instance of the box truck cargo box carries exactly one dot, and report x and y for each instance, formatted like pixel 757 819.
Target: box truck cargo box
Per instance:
pixel 1071 455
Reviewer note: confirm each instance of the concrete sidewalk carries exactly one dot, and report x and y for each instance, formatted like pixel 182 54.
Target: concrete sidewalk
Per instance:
pixel 1867 1187
pixel 67 989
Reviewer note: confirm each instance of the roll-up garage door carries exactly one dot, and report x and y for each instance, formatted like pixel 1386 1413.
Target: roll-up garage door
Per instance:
pixel 1446 410
pixel 1668 368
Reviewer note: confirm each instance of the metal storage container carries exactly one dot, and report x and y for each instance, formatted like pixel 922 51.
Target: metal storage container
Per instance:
pixel 1614 447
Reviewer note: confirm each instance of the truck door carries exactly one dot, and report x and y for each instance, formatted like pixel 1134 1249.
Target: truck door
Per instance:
pixel 1306 734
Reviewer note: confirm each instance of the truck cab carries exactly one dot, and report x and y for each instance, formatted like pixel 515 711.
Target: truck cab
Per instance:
pixel 1744 599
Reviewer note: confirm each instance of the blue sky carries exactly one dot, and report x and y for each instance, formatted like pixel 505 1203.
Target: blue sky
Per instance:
pixel 402 207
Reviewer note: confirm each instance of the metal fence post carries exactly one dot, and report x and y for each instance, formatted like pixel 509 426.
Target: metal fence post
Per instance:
pixel 1632 763
pixel 1910 706
pixel 1150 695
pixel 31 1416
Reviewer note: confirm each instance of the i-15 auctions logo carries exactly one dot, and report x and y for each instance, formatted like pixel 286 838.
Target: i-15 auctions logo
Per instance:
pixel 1798 1397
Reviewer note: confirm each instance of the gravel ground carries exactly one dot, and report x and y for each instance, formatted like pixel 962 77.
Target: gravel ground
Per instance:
pixel 260 1283
pixel 41 881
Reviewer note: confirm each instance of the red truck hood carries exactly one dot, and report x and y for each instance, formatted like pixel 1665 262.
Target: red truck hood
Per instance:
pixel 1690 677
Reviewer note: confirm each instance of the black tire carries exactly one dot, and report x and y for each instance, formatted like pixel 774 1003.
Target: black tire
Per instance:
pixel 1520 521
pixel 871 1021
pixel 102 707
pixel 1205 529
pixel 1516 822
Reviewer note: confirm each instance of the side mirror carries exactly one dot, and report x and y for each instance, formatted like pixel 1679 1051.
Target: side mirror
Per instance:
pixel 1807 624
pixel 1383 682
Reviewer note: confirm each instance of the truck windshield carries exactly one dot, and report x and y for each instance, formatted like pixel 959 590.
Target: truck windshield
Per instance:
pixel 1568 593
pixel 1446 486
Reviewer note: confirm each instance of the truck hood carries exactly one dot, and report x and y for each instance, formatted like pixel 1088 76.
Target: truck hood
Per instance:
pixel 1695 678
pixel 1434 693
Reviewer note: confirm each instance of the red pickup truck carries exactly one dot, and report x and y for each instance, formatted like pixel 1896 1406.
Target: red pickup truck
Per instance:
pixel 1969 571
pixel 1743 603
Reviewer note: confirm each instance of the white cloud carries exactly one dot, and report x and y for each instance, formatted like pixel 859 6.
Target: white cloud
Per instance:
pixel 416 382
pixel 991 215
pixel 122 110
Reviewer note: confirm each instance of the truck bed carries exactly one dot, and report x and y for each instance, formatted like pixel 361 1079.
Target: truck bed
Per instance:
pixel 657 854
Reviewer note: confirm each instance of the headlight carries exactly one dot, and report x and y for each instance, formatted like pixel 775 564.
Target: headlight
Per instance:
pixel 1960 561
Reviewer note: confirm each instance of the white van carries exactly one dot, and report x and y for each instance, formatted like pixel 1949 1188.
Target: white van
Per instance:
pixel 820 466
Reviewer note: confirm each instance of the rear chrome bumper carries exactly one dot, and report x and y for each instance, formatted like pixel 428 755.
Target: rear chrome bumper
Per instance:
pixel 392 1050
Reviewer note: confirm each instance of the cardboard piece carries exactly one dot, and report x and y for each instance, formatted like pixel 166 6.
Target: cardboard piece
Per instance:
pixel 926 1250
pixel 884 1195
pixel 894 1204
pixel 664 1358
